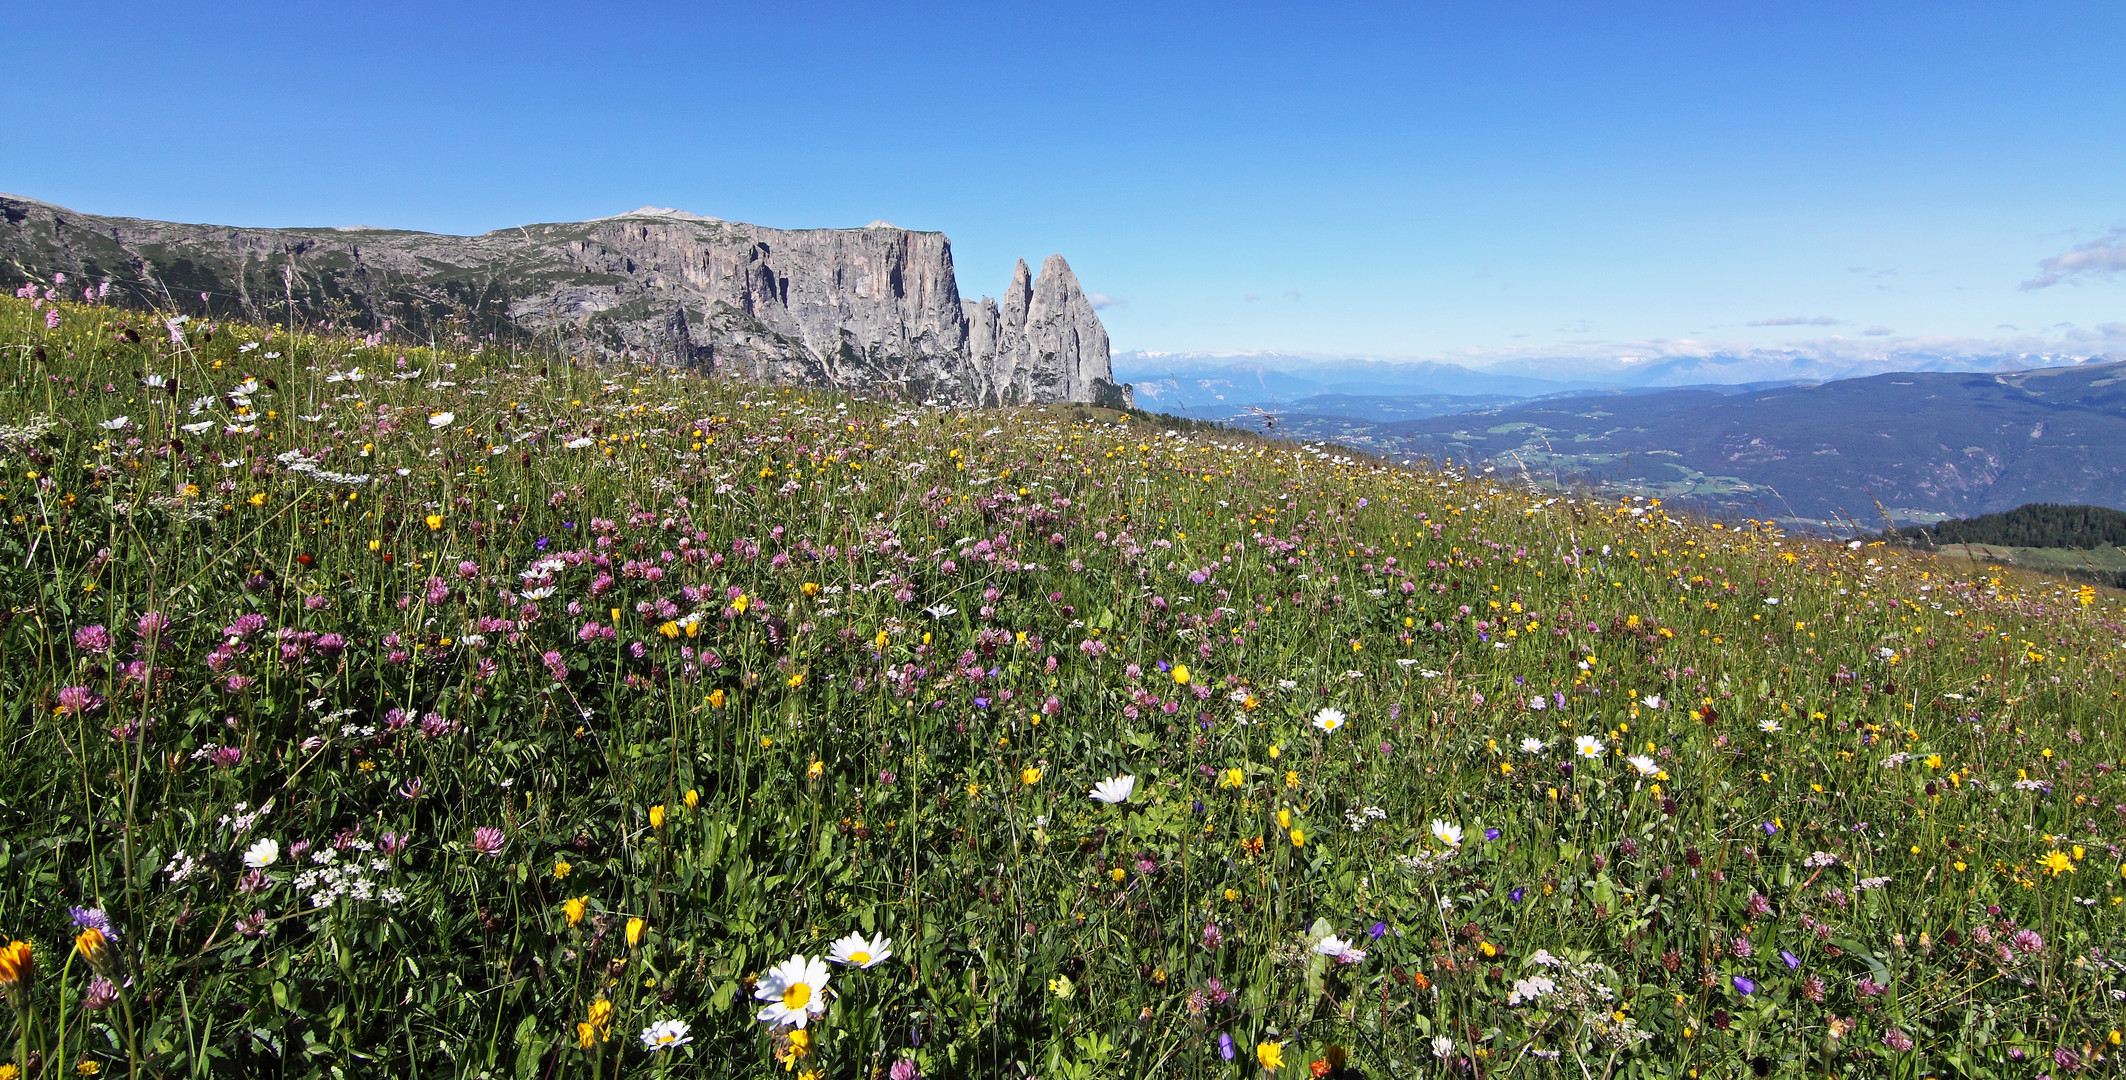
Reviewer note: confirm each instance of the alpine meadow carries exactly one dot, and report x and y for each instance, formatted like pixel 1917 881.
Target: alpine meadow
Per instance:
pixel 372 710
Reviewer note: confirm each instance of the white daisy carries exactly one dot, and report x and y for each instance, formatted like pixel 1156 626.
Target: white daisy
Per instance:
pixel 263 854
pixel 1653 701
pixel 1768 725
pixel 665 1034
pixel 1533 745
pixel 1114 789
pixel 1329 719
pixel 1645 765
pixel 1446 833
pixel 441 419
pixel 795 991
pixel 1588 746
pixel 1338 949
pixel 856 952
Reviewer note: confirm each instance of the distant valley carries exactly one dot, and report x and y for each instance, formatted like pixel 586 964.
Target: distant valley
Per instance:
pixel 1846 454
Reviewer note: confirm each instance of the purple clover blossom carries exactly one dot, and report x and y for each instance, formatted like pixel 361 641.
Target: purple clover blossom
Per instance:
pixel 94 640
pixel 489 841
pixel 102 995
pixel 75 700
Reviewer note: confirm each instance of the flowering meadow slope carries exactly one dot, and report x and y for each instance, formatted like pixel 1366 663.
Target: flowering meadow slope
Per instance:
pixel 379 711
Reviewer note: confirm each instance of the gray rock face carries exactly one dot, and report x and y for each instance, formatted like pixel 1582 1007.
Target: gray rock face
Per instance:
pixel 875 310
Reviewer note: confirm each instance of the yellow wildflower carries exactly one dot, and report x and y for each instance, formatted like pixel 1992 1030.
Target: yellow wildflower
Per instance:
pixel 1270 1055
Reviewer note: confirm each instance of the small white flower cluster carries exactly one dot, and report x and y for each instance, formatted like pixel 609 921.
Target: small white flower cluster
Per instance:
pixel 1426 860
pixel 1528 991
pixel 181 866
pixel 1866 883
pixel 334 880
pixel 1568 987
pixel 1359 819
pixel 1820 859
pixel 244 817
pixel 1896 759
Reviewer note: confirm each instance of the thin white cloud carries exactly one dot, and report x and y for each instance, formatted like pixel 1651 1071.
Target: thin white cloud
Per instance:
pixel 2101 257
pixel 1877 331
pixel 1797 320
pixel 1102 301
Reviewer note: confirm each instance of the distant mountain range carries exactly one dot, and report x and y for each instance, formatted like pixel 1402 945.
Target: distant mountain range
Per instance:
pixel 1814 440
pixel 1172 381
pixel 1915 446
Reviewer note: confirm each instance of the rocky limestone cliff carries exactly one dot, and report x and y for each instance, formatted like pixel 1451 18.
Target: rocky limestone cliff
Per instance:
pixel 875 310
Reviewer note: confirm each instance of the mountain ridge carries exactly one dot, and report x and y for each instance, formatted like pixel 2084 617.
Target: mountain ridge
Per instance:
pixel 875 309
pixel 1909 446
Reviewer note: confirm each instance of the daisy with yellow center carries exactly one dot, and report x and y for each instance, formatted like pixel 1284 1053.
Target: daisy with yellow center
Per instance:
pixel 794 991
pixel 857 952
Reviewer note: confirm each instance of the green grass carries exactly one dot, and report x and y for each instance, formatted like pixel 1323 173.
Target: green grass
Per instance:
pixel 2104 564
pixel 843 666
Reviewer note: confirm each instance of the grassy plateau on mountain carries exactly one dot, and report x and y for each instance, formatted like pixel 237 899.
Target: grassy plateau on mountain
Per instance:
pixel 374 710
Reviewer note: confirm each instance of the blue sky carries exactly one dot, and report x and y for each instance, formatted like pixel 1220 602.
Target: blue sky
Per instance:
pixel 1470 181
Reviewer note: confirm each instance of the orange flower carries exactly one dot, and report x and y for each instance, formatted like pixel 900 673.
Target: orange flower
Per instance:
pixel 17 967
pixel 93 947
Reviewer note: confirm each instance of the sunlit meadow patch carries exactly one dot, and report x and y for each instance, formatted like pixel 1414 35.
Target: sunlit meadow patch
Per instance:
pixel 389 711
